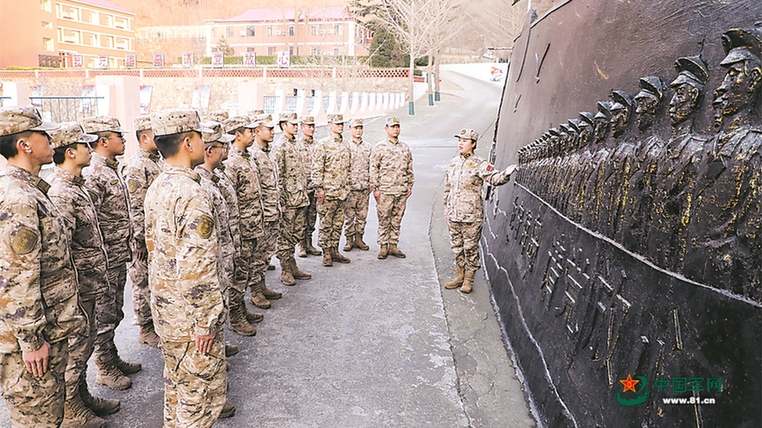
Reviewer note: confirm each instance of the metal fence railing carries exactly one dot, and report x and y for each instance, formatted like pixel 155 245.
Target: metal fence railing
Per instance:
pixel 66 108
pixel 2 100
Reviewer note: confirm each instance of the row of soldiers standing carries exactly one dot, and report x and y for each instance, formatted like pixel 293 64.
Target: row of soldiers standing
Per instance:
pixel 259 204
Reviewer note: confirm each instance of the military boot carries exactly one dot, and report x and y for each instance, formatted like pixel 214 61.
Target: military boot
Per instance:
pixel 468 281
pixel 108 374
pixel 458 281
pixel 360 244
pixel 301 249
pixel 310 249
pixel 77 415
pixel 254 317
pixel 230 350
pixel 228 410
pixel 269 294
pixel 298 273
pixel 394 251
pixel 257 298
pixel 238 322
pixel 350 243
pixel 148 336
pixel 383 252
pixel 327 259
pixel 337 257
pixel 125 367
pixel 286 276
pixel 99 406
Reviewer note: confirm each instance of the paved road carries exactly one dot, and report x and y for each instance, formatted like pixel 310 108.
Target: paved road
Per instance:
pixel 375 343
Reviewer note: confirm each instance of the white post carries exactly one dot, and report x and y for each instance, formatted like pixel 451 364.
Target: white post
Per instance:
pixel 372 102
pixel 18 92
pixel 364 103
pixel 331 103
pixel 355 103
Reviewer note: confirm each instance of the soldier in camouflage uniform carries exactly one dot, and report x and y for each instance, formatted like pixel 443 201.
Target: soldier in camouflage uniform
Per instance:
pixel 306 146
pixel 463 205
pixel 292 184
pixel 332 178
pixel 142 168
pixel 244 176
pixel 39 284
pixel 112 202
pixel 82 231
pixel 359 195
pixel 268 183
pixel 391 177
pixel 186 295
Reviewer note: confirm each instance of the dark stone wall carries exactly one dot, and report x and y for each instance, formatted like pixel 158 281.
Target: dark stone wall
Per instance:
pixel 639 253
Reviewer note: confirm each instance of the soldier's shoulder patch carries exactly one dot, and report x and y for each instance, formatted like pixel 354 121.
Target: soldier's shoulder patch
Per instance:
pixel 133 185
pixel 205 226
pixel 24 241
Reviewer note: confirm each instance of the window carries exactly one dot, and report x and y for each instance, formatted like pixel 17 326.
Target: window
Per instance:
pixel 271 51
pixel 45 5
pixel 336 51
pixel 47 44
pixel 92 17
pixel 250 49
pixel 107 41
pixel 290 51
pixel 290 30
pixel 314 51
pixel 338 29
pixel 68 12
pixel 269 31
pixel 70 36
pixel 93 40
pixel 314 30
pixel 229 31
pixel 122 23
pixel 251 31
pixel 47 24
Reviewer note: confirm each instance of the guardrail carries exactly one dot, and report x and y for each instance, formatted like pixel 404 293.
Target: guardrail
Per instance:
pixel 288 73
pixel 66 108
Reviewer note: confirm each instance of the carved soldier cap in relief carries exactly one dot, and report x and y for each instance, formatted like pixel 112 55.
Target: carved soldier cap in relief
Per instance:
pixel 288 117
pixel 588 118
pixel 468 134
pixel 742 44
pixel 621 100
pixel 16 119
pixel 651 85
pixel 217 134
pixel 576 125
pixel 168 122
pixel 142 123
pixel 336 119
pixel 102 124
pixel 604 110
pixel 691 70
pixel 70 133
pixel 307 120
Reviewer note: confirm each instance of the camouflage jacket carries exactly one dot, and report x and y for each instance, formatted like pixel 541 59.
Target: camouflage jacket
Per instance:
pixel 463 187
pixel 306 147
pixel 210 183
pixel 227 190
pixel 360 164
pixel 391 167
pixel 112 203
pixel 38 281
pixel 81 226
pixel 292 179
pixel 181 237
pixel 139 172
pixel 331 167
pixel 268 183
pixel 243 173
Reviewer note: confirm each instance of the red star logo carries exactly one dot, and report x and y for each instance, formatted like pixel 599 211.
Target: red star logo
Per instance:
pixel 629 384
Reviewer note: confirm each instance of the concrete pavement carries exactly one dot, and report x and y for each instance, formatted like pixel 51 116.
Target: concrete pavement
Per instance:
pixel 373 343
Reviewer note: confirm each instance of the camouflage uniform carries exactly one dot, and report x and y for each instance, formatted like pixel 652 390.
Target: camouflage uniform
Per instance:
pixel 140 171
pixel 225 263
pixel 306 146
pixel 357 201
pixel 391 173
pixel 227 190
pixel 39 291
pixel 267 244
pixel 331 173
pixel 109 194
pixel 464 205
pixel 186 296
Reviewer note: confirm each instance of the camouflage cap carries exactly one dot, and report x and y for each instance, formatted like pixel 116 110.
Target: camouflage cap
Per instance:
pixel 237 122
pixel 142 123
pixel 355 123
pixel 336 119
pixel 468 134
pixel 176 121
pixel 22 118
pixel 255 112
pixel 307 120
pixel 288 117
pixel 102 124
pixel 218 116
pixel 392 121
pixel 265 120
pixel 70 133
pixel 213 132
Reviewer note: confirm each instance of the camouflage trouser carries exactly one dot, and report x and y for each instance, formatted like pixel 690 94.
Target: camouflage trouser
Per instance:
pixel 311 215
pixel 464 239
pixel 331 220
pixel 81 345
pixel 244 265
pixel 141 294
pixel 195 385
pixel 390 209
pixel 291 231
pixel 109 313
pixel 34 402
pixel 356 213
pixel 266 247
